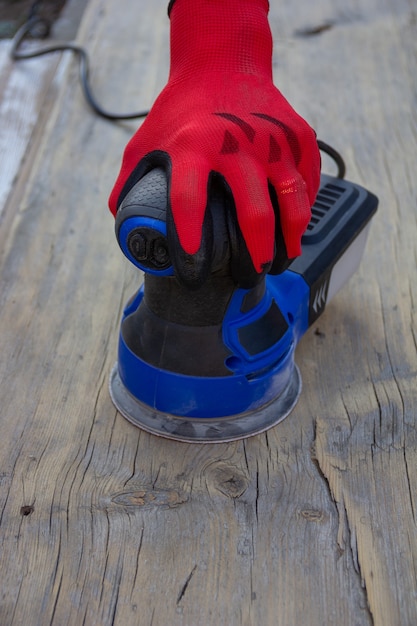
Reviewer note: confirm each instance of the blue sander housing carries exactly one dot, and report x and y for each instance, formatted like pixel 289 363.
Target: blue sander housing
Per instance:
pixel 217 363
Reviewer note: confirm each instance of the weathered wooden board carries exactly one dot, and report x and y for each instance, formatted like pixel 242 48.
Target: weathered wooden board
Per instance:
pixel 313 522
pixel 23 108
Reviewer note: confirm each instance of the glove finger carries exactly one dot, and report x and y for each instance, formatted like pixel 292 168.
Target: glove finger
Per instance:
pixel 281 260
pixel 294 209
pixel 131 167
pixel 310 166
pixel 189 225
pixel 254 211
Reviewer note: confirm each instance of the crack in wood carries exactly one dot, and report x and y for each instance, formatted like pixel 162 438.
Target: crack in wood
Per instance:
pixel 347 537
pixel 312 31
pixel 185 585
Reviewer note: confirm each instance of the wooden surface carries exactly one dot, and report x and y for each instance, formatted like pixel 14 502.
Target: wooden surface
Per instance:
pixel 311 523
pixel 26 96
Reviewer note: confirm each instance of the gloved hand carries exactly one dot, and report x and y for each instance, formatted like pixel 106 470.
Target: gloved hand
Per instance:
pixel 220 113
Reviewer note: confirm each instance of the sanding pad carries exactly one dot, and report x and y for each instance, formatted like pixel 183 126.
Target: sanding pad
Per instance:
pixel 205 430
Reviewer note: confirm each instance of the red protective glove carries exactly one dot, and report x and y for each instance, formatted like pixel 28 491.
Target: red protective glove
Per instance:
pixel 220 112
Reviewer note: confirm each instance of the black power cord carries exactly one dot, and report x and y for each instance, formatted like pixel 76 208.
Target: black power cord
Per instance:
pixel 38 27
pixel 35 26
pixel 334 154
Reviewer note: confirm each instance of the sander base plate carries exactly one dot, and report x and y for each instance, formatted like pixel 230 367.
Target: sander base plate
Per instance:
pixel 204 430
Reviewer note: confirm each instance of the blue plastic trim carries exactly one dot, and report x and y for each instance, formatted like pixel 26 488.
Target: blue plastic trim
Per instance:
pixel 255 381
pixel 291 295
pixel 191 396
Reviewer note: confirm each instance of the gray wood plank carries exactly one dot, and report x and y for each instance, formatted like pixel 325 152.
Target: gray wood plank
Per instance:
pixel 312 522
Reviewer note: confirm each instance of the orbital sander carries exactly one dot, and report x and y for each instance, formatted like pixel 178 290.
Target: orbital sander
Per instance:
pixel 217 364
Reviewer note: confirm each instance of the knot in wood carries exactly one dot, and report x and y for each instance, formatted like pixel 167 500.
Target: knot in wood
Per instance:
pixel 148 497
pixel 229 480
pixel 312 515
pixel 27 509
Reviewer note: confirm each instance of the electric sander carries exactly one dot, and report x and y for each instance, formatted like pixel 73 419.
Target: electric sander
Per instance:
pixel 217 364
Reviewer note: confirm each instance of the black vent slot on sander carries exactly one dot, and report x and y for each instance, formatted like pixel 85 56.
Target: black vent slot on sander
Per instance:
pixel 327 197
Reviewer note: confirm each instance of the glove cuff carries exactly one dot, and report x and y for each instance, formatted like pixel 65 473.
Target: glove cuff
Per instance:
pixel 226 36
pixel 171 4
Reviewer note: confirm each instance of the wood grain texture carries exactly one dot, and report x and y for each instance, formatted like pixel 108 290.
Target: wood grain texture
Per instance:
pixel 23 109
pixel 311 523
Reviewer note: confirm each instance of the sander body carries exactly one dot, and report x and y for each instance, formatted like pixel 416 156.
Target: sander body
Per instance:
pixel 217 363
